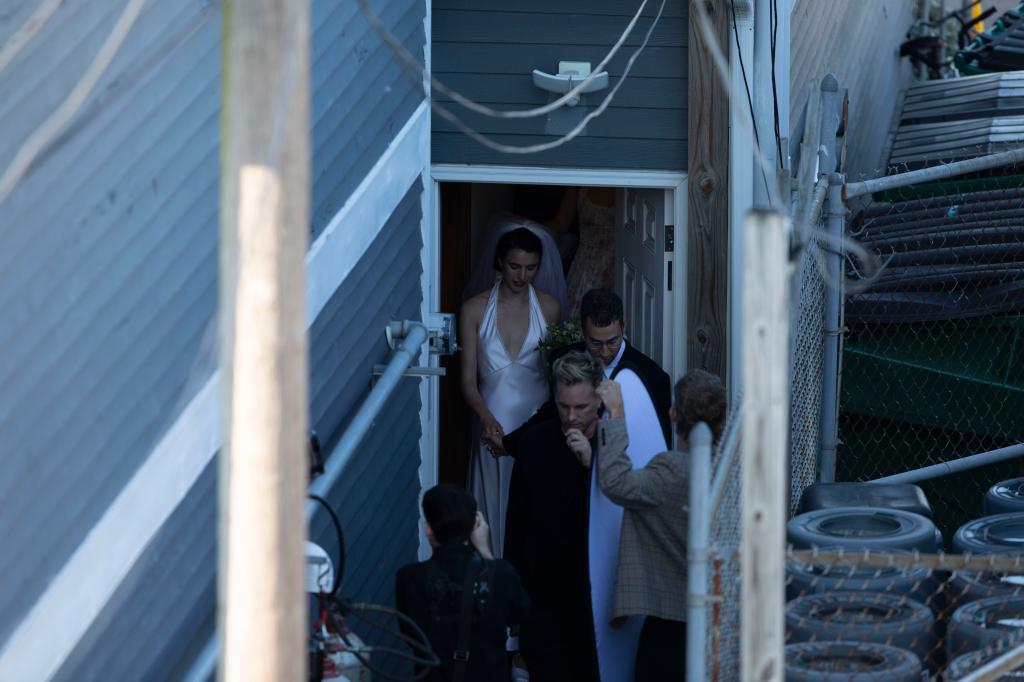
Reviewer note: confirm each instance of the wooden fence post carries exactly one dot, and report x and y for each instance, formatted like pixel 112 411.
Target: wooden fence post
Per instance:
pixel 264 349
pixel 765 434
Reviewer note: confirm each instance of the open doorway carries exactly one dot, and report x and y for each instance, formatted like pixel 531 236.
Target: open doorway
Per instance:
pixel 643 261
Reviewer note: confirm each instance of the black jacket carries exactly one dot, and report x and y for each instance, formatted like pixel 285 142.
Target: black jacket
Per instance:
pixel 430 592
pixel 654 379
pixel 547 523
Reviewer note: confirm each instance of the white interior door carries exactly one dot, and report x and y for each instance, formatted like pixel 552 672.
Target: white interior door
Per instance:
pixel 640 266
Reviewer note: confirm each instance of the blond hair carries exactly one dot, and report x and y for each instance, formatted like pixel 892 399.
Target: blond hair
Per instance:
pixel 577 367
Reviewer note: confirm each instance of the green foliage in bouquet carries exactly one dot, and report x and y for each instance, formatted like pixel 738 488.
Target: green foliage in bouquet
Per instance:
pixel 560 334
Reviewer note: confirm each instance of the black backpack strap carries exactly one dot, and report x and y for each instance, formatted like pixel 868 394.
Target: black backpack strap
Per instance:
pixel 461 654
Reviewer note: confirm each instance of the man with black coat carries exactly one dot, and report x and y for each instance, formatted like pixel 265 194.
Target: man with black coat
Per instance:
pixel 603 327
pixel 432 592
pixel 547 525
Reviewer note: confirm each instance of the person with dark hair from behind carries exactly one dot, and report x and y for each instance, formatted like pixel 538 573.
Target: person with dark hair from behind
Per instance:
pixel 651 579
pixel 431 592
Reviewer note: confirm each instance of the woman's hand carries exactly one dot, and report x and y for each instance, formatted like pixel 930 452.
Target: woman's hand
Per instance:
pixel 492 435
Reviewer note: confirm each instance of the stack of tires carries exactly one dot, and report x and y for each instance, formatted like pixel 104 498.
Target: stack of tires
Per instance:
pixel 878 623
pixel 988 606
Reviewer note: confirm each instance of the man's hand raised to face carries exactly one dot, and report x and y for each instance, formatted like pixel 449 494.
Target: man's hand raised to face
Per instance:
pixel 579 445
pixel 611 395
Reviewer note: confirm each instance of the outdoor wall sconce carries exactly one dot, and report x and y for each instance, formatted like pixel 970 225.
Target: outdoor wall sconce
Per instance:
pixel 570 74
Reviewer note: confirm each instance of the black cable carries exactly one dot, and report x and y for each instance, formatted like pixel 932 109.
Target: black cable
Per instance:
pixel 339 566
pixel 419 644
pixel 427 663
pixel 774 7
pixel 746 86
pixel 358 609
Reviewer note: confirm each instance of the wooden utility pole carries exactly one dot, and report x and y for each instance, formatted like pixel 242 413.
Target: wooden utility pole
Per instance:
pixel 264 351
pixel 765 431
pixel 708 193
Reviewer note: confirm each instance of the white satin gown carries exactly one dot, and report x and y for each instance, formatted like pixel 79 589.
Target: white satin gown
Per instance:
pixel 616 646
pixel 512 388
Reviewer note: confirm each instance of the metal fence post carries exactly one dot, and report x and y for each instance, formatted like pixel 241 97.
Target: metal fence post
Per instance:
pixel 835 213
pixel 699 525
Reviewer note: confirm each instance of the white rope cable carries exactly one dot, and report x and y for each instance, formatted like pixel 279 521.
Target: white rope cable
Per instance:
pixel 62 116
pixel 27 31
pixel 414 64
pixel 545 146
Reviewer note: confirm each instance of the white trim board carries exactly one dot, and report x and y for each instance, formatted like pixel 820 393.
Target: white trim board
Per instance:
pixel 527 175
pixel 37 649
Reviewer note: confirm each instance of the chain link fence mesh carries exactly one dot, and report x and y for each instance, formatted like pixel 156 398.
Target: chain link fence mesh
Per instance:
pixel 723 639
pixel 896 615
pixel 931 371
pixel 807 337
pixel 932 357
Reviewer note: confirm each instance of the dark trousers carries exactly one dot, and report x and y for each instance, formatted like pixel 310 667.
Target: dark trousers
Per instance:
pixel 661 655
pixel 559 649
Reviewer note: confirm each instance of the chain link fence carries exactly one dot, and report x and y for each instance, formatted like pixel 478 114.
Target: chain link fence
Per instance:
pixel 726 501
pixel 806 370
pixel 931 371
pixel 897 615
pixel 932 365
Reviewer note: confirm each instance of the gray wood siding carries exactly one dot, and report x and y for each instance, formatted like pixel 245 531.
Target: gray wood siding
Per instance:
pixel 164 612
pixel 108 259
pixel 108 255
pixel 858 42
pixel 361 98
pixel 488 51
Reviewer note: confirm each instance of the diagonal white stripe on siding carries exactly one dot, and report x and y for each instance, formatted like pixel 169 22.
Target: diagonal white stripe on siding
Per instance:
pixel 77 594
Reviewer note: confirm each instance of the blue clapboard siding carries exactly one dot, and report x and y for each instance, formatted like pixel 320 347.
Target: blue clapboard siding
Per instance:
pixel 361 98
pixel 488 50
pixel 164 612
pixel 377 495
pixel 108 255
pixel 108 258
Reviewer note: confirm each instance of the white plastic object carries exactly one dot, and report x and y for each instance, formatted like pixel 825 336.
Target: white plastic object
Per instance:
pixel 569 75
pixel 319 569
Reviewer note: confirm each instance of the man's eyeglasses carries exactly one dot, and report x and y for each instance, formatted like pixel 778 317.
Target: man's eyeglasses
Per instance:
pixel 598 344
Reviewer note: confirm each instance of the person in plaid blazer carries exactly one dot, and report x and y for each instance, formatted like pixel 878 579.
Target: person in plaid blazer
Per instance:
pixel 651 578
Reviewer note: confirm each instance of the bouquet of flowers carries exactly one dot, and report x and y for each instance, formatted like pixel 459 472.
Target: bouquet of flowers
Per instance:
pixel 560 334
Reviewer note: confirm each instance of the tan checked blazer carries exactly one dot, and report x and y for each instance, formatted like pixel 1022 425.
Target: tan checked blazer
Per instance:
pixel 651 579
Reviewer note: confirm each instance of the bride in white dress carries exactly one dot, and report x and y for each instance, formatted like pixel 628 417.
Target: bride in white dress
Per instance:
pixel 503 372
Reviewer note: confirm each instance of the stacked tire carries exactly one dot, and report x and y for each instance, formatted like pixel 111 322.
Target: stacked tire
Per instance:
pixel 861 528
pixel 985 622
pixel 988 605
pixel 845 661
pixel 1004 497
pixel 865 618
pixel 919 584
pixel 873 622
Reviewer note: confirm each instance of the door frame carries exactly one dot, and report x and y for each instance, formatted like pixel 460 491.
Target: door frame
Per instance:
pixel 674 333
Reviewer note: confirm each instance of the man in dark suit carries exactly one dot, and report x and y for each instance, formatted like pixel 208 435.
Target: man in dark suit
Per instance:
pixel 431 592
pixel 547 525
pixel 603 326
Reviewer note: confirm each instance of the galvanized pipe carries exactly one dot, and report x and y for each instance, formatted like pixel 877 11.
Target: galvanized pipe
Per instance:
pixel 955 465
pixel 698 530
pixel 950 170
pixel 835 211
pixel 415 336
